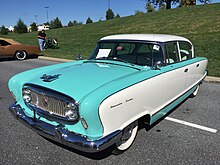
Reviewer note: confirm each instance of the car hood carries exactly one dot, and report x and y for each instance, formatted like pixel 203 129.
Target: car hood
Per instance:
pixel 79 80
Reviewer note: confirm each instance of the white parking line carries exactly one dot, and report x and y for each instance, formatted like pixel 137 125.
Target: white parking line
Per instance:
pixel 192 125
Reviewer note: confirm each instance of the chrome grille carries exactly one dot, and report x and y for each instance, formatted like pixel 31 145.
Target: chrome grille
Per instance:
pixel 48 103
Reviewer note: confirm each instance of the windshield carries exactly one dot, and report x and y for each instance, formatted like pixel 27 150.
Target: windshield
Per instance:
pixel 138 53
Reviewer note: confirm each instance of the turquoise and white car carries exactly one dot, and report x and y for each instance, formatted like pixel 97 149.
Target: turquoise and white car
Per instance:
pixel 93 104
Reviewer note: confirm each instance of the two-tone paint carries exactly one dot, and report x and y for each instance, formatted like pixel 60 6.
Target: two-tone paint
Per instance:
pixel 111 94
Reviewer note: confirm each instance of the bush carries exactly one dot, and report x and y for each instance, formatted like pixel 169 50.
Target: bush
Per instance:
pixel 33 26
pixel 4 31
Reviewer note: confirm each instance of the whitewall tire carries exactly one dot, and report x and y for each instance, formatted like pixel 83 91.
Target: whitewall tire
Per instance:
pixel 195 92
pixel 127 139
pixel 20 55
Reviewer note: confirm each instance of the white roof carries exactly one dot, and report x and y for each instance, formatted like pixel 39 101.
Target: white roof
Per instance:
pixel 146 37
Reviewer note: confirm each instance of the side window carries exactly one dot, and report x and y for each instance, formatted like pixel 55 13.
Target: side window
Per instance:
pixel 185 50
pixel 144 48
pixel 172 55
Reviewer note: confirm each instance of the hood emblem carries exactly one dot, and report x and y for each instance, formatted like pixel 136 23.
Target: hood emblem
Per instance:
pixel 49 78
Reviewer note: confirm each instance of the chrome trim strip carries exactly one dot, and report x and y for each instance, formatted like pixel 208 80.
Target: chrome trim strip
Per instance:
pixel 63 136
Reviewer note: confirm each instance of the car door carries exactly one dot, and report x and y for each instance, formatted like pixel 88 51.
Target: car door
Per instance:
pixel 4 49
pixel 186 56
pixel 175 73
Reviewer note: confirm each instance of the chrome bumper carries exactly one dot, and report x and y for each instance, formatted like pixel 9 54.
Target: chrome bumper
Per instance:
pixel 63 136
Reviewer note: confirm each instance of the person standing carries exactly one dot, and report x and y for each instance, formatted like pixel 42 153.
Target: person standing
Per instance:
pixel 42 39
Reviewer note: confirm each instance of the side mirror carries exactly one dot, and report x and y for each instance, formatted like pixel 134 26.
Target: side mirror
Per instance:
pixel 79 57
pixel 157 65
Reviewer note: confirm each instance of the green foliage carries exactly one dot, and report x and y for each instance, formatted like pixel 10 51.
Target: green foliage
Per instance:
pixel 33 26
pixel 162 7
pixel 20 27
pixel 3 30
pixel 175 2
pixel 70 24
pixel 138 12
pixel 109 14
pixel 56 23
pixel 117 16
pixel 156 3
pixel 187 3
pixel 89 20
pixel 150 8
pixel 47 23
pixel 205 1
pixel 200 24
pixel 74 23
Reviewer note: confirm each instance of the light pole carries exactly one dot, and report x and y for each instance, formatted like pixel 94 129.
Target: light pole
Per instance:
pixel 46 7
pixel 108 4
pixel 36 18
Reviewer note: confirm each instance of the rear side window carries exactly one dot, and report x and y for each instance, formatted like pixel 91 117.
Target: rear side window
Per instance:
pixel 185 51
pixel 4 43
pixel 172 55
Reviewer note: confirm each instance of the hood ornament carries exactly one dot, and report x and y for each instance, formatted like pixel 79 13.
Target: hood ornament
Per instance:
pixel 49 78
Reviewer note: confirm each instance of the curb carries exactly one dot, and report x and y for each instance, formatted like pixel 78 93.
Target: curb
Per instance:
pixel 207 79
pixel 212 79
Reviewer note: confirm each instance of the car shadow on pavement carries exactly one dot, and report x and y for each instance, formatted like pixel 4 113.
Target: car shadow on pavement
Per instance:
pixel 13 59
pixel 95 156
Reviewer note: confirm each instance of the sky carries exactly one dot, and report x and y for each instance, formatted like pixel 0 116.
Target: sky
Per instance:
pixel 30 11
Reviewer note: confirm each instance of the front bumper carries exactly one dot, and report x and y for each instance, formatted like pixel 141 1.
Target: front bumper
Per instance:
pixel 63 136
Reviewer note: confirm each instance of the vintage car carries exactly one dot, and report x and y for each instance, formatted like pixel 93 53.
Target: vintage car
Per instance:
pixel 94 104
pixel 11 48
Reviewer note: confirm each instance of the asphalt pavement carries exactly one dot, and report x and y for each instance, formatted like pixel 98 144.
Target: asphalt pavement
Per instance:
pixel 168 142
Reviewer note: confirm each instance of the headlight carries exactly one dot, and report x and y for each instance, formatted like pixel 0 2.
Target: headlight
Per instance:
pixel 26 95
pixel 71 111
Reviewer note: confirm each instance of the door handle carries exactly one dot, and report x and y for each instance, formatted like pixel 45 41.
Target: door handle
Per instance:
pixel 186 70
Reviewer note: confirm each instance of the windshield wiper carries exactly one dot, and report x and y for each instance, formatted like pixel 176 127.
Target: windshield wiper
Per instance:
pixel 103 58
pixel 121 60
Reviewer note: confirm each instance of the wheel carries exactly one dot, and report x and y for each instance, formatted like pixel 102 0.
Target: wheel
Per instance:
pixel 195 92
pixel 20 55
pixel 127 139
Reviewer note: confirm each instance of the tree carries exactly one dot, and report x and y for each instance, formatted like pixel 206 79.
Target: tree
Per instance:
pixel 187 3
pixel 4 31
pixel 47 23
pixel 20 27
pixel 33 26
pixel 74 23
pixel 70 24
pixel 56 23
pixel 150 8
pixel 160 2
pixel 117 16
pixel 109 14
pixel 89 20
pixel 172 2
pixel 205 1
